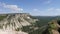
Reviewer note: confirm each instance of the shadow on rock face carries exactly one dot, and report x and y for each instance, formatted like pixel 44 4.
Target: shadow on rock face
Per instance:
pixel 58 22
pixel 59 30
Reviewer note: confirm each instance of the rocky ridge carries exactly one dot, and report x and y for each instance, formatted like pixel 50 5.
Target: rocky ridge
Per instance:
pixel 15 22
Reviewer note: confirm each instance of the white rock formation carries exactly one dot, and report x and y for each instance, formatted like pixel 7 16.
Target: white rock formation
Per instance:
pixel 14 21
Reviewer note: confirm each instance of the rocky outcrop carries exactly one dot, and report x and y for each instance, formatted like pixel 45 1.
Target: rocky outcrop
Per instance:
pixel 15 22
pixel 53 27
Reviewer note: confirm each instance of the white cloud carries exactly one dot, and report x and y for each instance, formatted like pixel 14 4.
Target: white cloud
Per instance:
pixel 46 12
pixel 11 7
pixel 53 9
pixel 35 10
pixel 50 9
pixel 58 9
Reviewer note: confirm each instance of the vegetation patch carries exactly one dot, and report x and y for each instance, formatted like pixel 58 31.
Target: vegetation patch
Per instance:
pixel 2 17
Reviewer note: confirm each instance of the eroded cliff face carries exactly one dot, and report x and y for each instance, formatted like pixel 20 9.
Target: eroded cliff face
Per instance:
pixel 14 22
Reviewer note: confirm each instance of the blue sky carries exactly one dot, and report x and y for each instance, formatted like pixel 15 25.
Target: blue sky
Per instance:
pixel 34 7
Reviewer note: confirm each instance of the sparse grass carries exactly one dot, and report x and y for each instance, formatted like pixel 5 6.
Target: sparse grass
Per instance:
pixel 2 17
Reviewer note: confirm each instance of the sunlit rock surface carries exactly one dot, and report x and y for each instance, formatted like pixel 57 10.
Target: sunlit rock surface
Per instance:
pixel 11 32
pixel 14 22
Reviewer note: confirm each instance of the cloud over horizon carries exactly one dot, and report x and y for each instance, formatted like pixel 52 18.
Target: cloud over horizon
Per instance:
pixel 46 12
pixel 34 7
pixel 11 7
